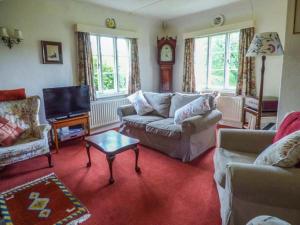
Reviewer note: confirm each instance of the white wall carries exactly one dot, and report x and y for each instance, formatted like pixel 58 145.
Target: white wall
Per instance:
pixel 54 20
pixel 290 83
pixel 270 15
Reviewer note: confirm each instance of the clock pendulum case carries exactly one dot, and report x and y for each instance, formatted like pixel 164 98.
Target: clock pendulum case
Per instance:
pixel 166 59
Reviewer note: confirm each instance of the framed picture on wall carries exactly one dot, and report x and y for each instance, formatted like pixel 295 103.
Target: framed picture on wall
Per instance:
pixel 297 17
pixel 52 52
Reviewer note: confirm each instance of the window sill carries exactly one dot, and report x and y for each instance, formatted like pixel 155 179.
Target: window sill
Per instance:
pixel 111 96
pixel 223 92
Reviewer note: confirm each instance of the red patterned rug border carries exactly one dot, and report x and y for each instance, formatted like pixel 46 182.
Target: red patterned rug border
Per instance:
pixel 64 189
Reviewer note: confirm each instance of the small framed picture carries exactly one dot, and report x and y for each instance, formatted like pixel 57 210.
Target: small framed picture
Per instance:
pixel 52 52
pixel 297 18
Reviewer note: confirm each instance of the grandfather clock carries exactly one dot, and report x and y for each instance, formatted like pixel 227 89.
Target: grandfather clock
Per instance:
pixel 166 59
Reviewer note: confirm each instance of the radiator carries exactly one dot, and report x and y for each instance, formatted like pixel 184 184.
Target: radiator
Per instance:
pixel 104 112
pixel 232 110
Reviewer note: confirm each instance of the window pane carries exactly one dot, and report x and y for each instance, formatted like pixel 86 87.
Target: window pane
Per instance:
pixel 233 50
pixel 95 54
pixel 232 79
pixel 201 48
pixel 217 62
pixel 107 46
pixel 216 79
pixel 108 64
pixel 232 60
pixel 123 63
pixel 218 43
pixel 108 73
pixel 122 45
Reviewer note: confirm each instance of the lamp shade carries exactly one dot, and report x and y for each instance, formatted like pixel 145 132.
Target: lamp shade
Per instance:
pixel 265 44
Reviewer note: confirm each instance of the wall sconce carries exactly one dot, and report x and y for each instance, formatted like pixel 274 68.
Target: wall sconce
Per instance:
pixel 10 40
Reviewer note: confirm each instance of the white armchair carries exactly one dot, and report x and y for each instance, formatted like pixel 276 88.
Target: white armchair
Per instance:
pixel 34 141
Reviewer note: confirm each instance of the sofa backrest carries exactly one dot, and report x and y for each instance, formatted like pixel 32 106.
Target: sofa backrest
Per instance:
pixel 160 102
pixel 24 113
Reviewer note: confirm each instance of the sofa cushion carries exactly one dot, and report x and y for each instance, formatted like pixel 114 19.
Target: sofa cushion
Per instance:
pixel 178 100
pixel 140 104
pixel 222 157
pixel 199 106
pixel 165 127
pixel 23 149
pixel 283 153
pixel 160 102
pixel 140 121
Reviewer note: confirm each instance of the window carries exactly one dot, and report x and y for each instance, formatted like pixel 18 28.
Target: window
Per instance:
pixel 111 61
pixel 216 61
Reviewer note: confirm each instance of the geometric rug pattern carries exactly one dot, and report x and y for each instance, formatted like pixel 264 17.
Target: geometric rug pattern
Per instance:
pixel 42 201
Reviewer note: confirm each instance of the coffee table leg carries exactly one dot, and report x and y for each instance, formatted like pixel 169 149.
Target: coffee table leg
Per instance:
pixel 110 159
pixel 87 146
pixel 137 168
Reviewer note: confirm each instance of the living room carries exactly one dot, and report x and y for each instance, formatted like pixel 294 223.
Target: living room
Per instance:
pixel 200 91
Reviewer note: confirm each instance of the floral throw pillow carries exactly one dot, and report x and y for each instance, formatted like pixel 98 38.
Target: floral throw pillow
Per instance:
pixel 283 153
pixel 140 104
pixel 199 106
pixel 9 132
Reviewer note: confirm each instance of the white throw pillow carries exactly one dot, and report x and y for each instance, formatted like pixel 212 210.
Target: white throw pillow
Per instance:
pixel 283 153
pixel 140 104
pixel 199 106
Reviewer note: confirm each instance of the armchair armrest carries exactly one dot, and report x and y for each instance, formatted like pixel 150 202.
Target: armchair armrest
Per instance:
pixel 267 185
pixel 251 141
pixel 125 110
pixel 44 129
pixel 198 123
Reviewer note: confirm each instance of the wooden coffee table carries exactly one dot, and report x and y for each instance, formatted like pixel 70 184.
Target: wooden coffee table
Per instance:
pixel 111 143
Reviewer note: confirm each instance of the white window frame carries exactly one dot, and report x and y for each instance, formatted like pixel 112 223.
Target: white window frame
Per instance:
pixel 226 87
pixel 116 91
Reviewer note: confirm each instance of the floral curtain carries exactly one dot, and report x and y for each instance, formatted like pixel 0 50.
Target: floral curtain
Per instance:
pixel 188 70
pixel 246 84
pixel 134 81
pixel 85 62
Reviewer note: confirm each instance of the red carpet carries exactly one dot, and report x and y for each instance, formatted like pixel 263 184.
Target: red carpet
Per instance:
pixel 167 192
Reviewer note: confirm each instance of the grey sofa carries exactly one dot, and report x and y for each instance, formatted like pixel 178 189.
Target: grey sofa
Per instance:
pixel 247 190
pixel 157 129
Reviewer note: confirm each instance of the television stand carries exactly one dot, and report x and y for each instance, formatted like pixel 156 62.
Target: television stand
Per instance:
pixel 67 122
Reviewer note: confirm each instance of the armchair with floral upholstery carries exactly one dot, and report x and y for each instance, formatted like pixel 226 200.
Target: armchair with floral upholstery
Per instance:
pixel 34 139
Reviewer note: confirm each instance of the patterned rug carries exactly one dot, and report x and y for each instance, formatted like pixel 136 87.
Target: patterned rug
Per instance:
pixel 42 201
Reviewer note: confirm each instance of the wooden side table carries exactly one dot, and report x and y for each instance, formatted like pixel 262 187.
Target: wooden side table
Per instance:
pixel 56 124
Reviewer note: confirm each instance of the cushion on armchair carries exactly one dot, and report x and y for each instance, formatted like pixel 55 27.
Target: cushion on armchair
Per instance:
pixel 9 132
pixel 290 124
pixel 283 153
pixel 24 113
pixel 11 95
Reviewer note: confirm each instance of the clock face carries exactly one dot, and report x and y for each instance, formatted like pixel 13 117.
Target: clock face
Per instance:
pixel 166 54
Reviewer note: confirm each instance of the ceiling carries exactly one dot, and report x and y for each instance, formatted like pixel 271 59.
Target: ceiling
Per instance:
pixel 163 9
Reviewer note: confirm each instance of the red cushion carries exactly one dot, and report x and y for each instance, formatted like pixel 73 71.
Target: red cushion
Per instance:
pixel 290 124
pixel 10 95
pixel 9 132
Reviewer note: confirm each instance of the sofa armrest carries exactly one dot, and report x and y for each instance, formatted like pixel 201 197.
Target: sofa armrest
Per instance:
pixel 198 123
pixel 44 129
pixel 265 185
pixel 251 141
pixel 125 110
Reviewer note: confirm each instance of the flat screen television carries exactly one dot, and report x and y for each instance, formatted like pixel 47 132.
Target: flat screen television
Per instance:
pixel 65 102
